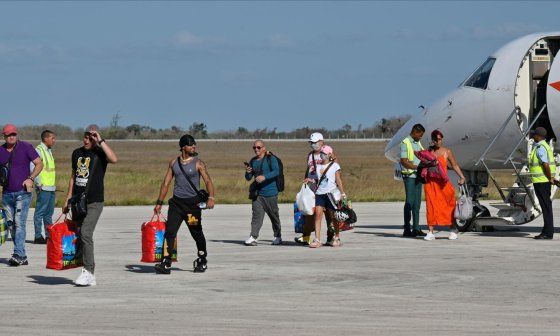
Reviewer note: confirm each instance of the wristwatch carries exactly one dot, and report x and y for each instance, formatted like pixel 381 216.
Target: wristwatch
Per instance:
pixel 31 178
pixel 101 141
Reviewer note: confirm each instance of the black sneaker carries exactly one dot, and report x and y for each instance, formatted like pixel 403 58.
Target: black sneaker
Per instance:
pixel 301 241
pixel 418 233
pixel 163 267
pixel 407 234
pixel 199 265
pixel 18 261
pixel 40 240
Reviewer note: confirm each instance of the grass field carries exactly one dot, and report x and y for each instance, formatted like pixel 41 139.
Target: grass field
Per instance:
pixel 136 178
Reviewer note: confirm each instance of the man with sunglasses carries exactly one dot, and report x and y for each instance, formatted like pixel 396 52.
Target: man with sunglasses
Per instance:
pixel 17 157
pixel 89 164
pixel 264 168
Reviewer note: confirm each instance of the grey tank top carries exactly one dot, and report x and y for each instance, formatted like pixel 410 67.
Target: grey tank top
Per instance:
pixel 182 187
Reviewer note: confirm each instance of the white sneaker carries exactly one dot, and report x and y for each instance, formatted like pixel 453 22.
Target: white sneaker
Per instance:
pixel 453 236
pixel 251 241
pixel 85 279
pixel 429 236
pixel 277 241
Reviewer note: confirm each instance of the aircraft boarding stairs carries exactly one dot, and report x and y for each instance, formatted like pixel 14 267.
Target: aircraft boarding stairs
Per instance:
pixel 519 203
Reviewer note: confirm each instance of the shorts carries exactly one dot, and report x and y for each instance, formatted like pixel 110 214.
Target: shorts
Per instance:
pixel 324 201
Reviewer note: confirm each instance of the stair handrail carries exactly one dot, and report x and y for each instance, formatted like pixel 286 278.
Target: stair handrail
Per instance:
pixel 500 131
pixel 525 134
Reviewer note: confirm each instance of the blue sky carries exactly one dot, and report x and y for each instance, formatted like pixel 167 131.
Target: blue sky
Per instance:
pixel 252 64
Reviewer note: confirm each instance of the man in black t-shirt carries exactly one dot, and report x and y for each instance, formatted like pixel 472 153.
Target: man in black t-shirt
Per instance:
pixel 89 164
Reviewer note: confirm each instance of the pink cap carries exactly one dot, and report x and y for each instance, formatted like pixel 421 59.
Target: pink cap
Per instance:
pixel 326 149
pixel 9 129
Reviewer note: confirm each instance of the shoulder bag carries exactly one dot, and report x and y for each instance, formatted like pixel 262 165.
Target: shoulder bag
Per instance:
pixel 202 194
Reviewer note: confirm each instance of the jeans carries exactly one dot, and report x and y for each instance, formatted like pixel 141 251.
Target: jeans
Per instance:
pixel 16 205
pixel 44 210
pixel 413 190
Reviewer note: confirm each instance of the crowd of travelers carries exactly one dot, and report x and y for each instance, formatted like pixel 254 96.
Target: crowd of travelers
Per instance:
pixel 24 169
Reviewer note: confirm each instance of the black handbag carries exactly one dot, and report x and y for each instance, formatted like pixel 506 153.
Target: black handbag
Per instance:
pixel 5 170
pixel 202 194
pixel 78 202
pixel 254 186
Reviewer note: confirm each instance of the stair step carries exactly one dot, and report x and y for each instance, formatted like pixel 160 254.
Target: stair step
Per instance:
pixel 484 221
pixel 505 206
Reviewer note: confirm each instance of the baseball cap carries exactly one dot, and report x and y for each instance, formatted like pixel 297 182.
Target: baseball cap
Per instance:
pixel 186 140
pixel 92 127
pixel 539 131
pixel 326 149
pixel 9 129
pixel 316 137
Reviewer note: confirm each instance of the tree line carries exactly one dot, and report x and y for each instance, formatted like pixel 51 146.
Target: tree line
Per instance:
pixel 384 128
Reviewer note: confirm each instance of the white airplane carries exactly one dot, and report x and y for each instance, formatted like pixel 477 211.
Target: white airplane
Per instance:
pixel 486 121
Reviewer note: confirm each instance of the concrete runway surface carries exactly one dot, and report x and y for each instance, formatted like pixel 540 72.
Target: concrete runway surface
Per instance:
pixel 377 283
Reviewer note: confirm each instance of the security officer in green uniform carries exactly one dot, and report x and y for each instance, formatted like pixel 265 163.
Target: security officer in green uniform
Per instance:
pixel 413 187
pixel 542 168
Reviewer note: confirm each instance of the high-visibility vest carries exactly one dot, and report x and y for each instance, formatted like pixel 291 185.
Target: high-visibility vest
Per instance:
pixel 535 167
pixel 48 174
pixel 410 156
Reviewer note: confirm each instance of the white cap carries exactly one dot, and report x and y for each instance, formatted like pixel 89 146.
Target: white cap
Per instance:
pixel 316 137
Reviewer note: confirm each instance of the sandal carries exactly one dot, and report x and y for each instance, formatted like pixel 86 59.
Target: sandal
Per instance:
pixel 315 244
pixel 336 242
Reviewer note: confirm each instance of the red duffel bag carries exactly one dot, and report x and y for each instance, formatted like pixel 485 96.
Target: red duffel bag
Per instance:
pixel 154 246
pixel 63 246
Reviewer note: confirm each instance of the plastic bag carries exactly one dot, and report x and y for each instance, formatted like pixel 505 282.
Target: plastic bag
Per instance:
pixel 154 246
pixel 464 205
pixel 299 219
pixel 64 246
pixel 3 228
pixel 305 200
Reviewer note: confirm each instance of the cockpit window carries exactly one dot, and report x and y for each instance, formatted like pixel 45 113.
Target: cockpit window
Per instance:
pixel 479 78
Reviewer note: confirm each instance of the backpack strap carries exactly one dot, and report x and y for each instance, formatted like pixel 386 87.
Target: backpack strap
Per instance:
pixel 324 173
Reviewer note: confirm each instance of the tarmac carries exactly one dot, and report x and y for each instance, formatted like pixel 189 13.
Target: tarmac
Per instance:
pixel 377 283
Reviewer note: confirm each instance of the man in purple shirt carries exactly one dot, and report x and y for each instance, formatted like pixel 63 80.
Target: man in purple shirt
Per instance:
pixel 16 196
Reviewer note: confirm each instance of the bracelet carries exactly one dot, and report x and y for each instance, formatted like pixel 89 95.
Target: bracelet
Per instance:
pixel 31 178
pixel 211 197
pixel 159 202
pixel 101 141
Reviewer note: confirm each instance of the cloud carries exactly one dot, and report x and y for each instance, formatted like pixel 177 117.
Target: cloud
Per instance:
pixel 479 33
pixel 187 39
pixel 279 41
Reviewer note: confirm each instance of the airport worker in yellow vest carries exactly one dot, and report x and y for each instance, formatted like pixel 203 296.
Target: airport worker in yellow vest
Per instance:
pixel 45 186
pixel 413 188
pixel 542 168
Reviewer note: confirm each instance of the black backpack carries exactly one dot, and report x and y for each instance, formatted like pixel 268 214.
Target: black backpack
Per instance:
pixel 280 177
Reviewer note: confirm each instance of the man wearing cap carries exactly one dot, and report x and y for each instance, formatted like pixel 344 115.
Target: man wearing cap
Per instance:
pixel 89 164
pixel 264 168
pixel 542 168
pixel 316 141
pixel 186 203
pixel 45 186
pixel 17 156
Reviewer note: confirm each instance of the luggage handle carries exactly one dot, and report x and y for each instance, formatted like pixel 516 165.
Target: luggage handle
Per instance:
pixel 159 216
pixel 57 221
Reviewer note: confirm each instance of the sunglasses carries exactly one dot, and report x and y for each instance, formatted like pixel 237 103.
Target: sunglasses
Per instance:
pixel 257 147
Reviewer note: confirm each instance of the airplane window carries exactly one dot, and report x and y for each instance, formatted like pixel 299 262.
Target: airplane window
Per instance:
pixel 479 79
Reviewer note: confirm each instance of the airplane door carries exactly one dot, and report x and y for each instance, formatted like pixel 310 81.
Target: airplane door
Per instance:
pixel 553 95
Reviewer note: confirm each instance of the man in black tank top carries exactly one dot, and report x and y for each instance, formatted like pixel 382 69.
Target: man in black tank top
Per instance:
pixel 186 203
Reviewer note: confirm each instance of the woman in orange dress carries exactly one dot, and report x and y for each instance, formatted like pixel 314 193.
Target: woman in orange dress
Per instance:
pixel 440 197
